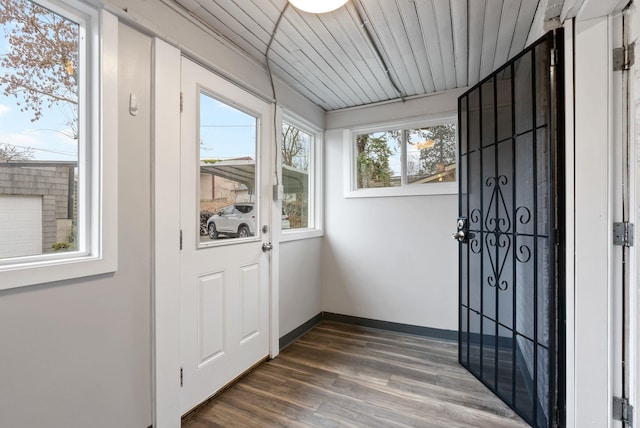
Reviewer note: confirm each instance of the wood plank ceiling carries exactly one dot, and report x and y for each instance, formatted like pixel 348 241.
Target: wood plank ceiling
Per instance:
pixel 427 45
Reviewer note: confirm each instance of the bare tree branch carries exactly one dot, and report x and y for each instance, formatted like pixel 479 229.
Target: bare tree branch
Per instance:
pixel 24 85
pixel 41 65
pixel 10 153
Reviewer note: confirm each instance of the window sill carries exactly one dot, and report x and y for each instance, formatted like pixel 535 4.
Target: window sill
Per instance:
pixel 411 190
pixel 43 272
pixel 298 234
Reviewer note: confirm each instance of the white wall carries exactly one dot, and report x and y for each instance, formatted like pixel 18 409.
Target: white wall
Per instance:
pixel 300 282
pixel 208 48
pixel 77 353
pixel 389 259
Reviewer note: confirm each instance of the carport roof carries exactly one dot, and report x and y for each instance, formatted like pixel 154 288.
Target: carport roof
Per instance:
pixel 243 171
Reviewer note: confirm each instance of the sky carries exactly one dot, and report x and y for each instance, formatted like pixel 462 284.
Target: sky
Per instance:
pixel 225 132
pixel 45 136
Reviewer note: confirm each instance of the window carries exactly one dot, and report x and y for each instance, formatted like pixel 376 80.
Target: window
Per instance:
pixel 227 158
pixel 431 154
pixel 57 197
pixel 301 181
pixel 405 160
pixel 378 159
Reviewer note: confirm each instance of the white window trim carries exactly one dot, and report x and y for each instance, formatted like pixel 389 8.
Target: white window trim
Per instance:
pixel 102 162
pixel 316 198
pixel 349 150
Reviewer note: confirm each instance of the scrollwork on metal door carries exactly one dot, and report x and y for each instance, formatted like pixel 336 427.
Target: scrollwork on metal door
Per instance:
pixel 498 234
pixel 497 237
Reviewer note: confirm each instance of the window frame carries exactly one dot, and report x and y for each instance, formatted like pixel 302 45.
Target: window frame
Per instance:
pixel 97 158
pixel 316 225
pixel 405 189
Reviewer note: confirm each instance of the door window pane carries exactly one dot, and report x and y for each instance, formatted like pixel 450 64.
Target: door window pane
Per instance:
pixel 227 158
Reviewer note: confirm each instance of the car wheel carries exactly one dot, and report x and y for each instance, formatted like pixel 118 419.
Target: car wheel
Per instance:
pixel 213 232
pixel 243 232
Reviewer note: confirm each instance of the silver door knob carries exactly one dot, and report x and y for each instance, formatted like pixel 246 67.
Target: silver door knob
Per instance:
pixel 267 246
pixel 462 229
pixel 459 236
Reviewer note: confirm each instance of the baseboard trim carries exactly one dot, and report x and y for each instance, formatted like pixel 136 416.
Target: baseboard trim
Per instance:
pixel 298 332
pixel 434 333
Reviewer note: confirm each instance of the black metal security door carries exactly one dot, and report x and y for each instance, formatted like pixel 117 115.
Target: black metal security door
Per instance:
pixel 510 211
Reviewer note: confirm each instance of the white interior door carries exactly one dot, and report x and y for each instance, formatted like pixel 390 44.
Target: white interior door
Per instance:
pixel 224 274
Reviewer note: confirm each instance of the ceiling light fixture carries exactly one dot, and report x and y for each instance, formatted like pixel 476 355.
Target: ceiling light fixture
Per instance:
pixel 317 6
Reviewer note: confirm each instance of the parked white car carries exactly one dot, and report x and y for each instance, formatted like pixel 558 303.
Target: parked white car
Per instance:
pixel 237 220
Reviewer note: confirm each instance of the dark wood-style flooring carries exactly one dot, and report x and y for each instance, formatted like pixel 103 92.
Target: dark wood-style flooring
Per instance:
pixel 341 375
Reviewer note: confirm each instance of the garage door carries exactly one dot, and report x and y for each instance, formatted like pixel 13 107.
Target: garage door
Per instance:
pixel 20 225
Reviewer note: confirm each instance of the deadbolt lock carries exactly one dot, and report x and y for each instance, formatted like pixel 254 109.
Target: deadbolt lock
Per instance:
pixel 462 230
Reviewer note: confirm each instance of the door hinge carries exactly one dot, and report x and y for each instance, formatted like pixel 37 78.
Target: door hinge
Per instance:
pixel 181 239
pixel 181 102
pixel 622 411
pixel 624 57
pixel 181 377
pixel 623 234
